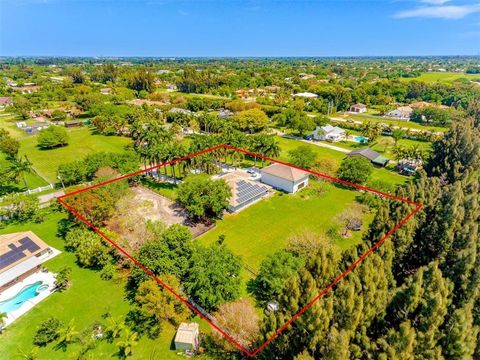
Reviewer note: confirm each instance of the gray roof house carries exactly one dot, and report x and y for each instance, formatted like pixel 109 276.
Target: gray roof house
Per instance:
pixel 371 155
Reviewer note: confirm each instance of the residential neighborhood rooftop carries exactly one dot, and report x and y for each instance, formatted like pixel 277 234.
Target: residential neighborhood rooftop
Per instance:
pixel 285 172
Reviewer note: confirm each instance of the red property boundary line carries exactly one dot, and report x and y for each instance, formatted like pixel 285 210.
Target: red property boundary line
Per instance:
pixel 418 206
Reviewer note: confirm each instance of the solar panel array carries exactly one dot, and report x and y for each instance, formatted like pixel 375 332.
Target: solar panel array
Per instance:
pixel 17 252
pixel 247 191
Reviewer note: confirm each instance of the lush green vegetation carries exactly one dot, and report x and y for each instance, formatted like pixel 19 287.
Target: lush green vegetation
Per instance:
pixel 82 142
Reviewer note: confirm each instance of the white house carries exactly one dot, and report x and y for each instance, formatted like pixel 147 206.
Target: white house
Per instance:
pixel 329 133
pixel 187 337
pixel 358 108
pixel 400 113
pixel 284 177
pixel 307 95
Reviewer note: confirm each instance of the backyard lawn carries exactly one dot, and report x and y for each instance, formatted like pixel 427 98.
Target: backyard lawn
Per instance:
pixel 265 227
pixel 82 142
pixel 85 301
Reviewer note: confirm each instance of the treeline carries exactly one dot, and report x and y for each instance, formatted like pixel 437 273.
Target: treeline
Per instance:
pixel 417 297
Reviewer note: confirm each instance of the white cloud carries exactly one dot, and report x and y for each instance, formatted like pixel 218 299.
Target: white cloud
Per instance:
pixel 449 12
pixel 434 2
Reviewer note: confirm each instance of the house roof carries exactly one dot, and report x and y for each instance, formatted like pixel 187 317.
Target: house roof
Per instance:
pixel 306 95
pixel 187 333
pixel 243 189
pixel 284 172
pixel 366 153
pixel 18 247
pixel 359 105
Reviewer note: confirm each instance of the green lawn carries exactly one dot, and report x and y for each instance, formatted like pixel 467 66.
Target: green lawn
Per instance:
pixel 32 179
pixel 443 77
pixel 85 301
pixel 82 142
pixel 264 227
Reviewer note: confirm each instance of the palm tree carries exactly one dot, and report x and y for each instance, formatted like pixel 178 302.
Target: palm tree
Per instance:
pixel 114 328
pixel 30 355
pixel 129 341
pixel 66 335
pixel 19 168
pixel 397 134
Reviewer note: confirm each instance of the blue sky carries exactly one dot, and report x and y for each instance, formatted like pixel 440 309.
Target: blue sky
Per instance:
pixel 239 28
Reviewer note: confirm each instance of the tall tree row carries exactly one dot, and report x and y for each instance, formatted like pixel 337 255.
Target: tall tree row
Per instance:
pixel 417 296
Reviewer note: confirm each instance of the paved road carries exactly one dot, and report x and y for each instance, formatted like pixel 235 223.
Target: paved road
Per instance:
pixel 47 197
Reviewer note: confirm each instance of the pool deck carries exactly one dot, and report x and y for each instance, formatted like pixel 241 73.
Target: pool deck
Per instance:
pixel 46 277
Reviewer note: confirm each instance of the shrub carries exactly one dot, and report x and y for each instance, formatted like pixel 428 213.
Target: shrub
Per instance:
pixel 47 332
pixel 355 169
pixel 108 272
pixel 51 137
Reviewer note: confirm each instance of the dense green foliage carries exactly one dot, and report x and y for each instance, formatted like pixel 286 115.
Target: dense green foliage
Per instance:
pixel 202 196
pixel 355 169
pixel 51 137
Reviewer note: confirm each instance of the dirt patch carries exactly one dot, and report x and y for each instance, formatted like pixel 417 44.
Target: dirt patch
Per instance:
pixel 154 207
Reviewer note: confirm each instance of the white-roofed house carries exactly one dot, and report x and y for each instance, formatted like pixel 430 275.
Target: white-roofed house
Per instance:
pixel 329 133
pixel 308 95
pixel 284 177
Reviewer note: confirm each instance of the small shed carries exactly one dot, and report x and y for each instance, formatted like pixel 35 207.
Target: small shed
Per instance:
pixel 187 337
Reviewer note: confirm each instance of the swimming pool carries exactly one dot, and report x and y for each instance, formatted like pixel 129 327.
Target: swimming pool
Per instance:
pixel 360 139
pixel 27 293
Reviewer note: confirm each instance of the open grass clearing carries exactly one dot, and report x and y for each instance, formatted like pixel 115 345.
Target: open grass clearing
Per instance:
pixel 83 141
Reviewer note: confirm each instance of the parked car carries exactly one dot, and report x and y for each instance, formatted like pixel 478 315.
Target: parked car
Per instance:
pixel 308 137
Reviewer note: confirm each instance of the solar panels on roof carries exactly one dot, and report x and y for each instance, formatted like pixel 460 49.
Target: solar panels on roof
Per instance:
pixel 247 191
pixel 17 252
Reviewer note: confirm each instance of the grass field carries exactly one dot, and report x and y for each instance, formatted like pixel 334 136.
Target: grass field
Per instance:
pixel 443 77
pixel 85 301
pixel 265 227
pixel 82 142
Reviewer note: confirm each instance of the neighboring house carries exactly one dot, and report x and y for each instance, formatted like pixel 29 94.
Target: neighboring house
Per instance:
pixel 187 337
pixel 176 110
pixel 73 123
pixel 21 255
pixel 307 95
pixel 371 155
pixel 284 177
pixel 400 113
pixel 106 91
pixel 224 114
pixel 34 128
pixel 244 191
pixel 5 101
pixel 27 88
pixel 358 108
pixel 409 166
pixel 171 87
pixel 329 133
